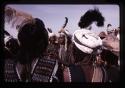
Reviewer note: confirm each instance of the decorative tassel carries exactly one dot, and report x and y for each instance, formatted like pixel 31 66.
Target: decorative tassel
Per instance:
pixel 65 43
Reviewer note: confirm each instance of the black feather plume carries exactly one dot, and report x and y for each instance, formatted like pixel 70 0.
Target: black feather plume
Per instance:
pixel 66 21
pixel 91 16
pixel 49 30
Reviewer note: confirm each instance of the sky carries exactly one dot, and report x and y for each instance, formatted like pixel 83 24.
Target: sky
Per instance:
pixel 53 16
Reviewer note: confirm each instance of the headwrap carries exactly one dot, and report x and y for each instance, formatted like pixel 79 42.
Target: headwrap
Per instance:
pixel 86 41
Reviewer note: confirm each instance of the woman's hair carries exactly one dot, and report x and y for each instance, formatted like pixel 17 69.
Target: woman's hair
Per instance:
pixel 91 16
pixel 33 39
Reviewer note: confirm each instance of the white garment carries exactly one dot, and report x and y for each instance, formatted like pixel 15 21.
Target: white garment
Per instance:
pixel 86 40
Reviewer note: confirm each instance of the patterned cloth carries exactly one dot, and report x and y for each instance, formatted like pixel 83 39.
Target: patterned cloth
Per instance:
pixel 10 74
pixel 44 70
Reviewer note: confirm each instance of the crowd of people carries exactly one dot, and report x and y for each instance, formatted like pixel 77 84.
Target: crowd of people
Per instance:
pixel 39 55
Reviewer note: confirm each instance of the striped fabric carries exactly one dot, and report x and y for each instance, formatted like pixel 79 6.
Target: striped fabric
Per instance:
pixel 10 74
pixel 43 70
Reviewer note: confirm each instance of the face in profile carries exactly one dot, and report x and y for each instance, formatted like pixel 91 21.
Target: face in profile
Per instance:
pixel 61 40
pixel 52 39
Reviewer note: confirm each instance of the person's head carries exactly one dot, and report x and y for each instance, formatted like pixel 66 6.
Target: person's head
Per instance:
pixel 109 25
pixel 52 38
pixel 52 52
pixel 61 39
pixel 12 45
pixel 110 29
pixel 111 42
pixel 85 44
pixel 91 16
pixel 33 38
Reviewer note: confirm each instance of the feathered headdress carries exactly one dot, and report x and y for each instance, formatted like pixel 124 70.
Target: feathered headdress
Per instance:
pixel 50 32
pixel 16 18
pixel 90 16
pixel 61 33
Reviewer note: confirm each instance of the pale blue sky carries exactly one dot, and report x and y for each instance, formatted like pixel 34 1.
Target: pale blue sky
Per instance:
pixel 54 15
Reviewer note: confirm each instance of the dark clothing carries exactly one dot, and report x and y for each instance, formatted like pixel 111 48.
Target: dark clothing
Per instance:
pixel 77 74
pixel 70 55
pixel 113 74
